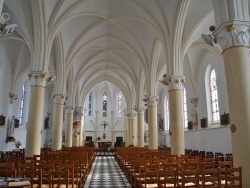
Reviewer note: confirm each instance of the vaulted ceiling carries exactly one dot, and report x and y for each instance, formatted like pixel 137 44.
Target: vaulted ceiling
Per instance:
pixel 113 40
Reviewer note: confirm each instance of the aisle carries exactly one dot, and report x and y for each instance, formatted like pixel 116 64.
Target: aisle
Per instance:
pixel 105 172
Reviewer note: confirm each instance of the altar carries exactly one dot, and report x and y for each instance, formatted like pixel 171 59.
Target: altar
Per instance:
pixel 104 144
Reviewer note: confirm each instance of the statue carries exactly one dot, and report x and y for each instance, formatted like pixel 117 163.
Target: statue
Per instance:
pixel 194 116
pixel 161 124
pixel 10 130
pixel 46 122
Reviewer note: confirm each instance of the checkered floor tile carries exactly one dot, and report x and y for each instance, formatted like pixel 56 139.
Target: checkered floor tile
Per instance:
pixel 109 153
pixel 105 172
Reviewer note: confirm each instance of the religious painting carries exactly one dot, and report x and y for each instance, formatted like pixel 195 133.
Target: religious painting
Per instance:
pixel 76 128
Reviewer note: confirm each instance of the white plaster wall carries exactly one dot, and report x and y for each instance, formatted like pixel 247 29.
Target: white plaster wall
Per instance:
pixel 211 59
pixel 118 134
pixel 90 133
pixel 119 125
pixel 214 139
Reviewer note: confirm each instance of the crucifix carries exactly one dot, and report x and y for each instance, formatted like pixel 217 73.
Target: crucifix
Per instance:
pixel 104 124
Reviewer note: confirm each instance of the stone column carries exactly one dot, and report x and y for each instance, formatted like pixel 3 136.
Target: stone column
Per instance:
pixel 59 100
pixel 132 129
pixel 69 126
pixel 1 6
pixel 35 117
pixel 176 116
pixel 152 121
pixel 82 128
pixel 128 130
pixel 140 125
pixel 96 125
pixel 125 128
pixel 112 127
pixel 237 69
pixel 77 119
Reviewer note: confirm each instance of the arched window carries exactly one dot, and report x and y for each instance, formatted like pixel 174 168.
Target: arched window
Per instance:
pixel 90 104
pixel 104 113
pixel 119 104
pixel 185 108
pixel 214 97
pixel 22 105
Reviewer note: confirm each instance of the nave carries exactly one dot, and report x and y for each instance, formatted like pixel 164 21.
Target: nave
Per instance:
pixel 105 172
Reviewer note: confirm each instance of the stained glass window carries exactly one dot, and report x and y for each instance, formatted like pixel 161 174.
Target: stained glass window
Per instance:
pixel 119 104
pixel 167 115
pixel 104 113
pixel 214 97
pixel 22 106
pixel 90 104
pixel 185 108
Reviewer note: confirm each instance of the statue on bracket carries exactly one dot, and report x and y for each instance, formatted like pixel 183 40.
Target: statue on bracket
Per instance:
pixel 46 121
pixel 10 130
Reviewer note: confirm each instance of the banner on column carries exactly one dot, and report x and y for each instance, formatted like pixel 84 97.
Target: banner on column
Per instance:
pixel 76 128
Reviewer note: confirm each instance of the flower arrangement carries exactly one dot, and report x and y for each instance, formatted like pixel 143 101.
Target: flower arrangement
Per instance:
pixel 17 144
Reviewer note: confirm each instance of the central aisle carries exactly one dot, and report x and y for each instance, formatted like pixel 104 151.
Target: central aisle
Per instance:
pixel 105 172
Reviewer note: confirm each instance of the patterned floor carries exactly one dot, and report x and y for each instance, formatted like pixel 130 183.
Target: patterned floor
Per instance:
pixel 105 172
pixel 104 153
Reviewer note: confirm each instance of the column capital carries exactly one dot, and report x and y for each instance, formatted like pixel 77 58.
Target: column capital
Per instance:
pixel 96 112
pixel 140 110
pixel 69 109
pixel 131 116
pixel 12 97
pixel 59 98
pixel 38 78
pixel 112 112
pixel 173 82
pixel 152 100
pixel 232 33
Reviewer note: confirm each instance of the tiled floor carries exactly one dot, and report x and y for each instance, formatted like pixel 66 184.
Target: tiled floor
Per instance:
pixel 104 153
pixel 105 172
